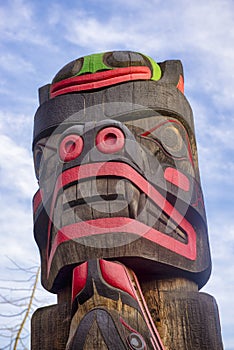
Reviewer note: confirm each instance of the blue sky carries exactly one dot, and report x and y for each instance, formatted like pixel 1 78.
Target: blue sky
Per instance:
pixel 38 37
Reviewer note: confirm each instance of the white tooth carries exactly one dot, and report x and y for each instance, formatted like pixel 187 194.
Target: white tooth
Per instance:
pixel 69 194
pixel 100 209
pixel 68 217
pixel 133 199
pixel 118 208
pixel 172 227
pixel 142 203
pixel 83 212
pixel 151 212
pixel 84 189
pixel 116 186
pixel 181 234
pixel 99 187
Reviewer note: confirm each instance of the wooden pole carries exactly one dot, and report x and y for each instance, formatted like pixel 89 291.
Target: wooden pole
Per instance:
pixel 119 216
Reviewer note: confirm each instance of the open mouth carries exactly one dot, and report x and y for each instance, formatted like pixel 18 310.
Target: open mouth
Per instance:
pixel 102 198
pixel 106 198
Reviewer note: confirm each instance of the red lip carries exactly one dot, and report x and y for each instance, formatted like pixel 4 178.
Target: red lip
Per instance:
pixel 119 224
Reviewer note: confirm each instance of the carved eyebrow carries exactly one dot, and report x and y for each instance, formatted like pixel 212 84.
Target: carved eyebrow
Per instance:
pixel 146 133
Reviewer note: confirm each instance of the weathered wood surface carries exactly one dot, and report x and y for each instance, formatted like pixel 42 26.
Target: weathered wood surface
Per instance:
pixel 185 318
pixel 50 327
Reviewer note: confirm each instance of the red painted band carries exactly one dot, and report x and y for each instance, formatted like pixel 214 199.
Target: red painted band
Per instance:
pixel 125 225
pixel 180 85
pixel 177 178
pixel 99 79
pixel 116 275
pixel 79 279
pixel 37 200
pixel 157 342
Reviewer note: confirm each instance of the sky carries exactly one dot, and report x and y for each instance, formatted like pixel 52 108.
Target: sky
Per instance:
pixel 37 38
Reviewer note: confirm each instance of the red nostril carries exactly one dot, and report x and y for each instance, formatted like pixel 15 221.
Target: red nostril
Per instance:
pixel 110 140
pixel 70 147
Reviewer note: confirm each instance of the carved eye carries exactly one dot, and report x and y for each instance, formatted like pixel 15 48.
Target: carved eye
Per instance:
pixel 70 147
pixel 110 140
pixel 125 59
pixel 38 156
pixel 170 136
pixel 69 70
pixel 172 140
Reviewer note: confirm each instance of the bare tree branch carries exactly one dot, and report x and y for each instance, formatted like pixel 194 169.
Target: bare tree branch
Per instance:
pixel 27 311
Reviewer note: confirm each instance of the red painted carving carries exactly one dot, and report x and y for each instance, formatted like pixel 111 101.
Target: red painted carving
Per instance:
pixel 70 147
pixel 126 225
pixel 116 275
pixel 99 79
pixel 112 280
pixel 79 279
pixel 177 178
pixel 37 200
pixel 180 84
pixel 110 140
pixel 155 340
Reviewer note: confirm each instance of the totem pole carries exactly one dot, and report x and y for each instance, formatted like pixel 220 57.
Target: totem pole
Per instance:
pixel 119 217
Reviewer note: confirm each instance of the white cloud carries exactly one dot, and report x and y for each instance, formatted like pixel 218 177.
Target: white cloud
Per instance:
pixel 16 128
pixel 16 168
pixel 9 11
pixel 214 133
pixel 16 226
pixel 18 23
pixel 90 32
pixel 15 64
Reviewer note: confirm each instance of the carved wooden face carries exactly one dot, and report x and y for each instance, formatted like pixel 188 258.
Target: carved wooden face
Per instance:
pixel 118 180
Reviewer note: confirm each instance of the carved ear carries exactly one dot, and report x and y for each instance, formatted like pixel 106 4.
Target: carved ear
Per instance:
pixel 172 73
pixel 44 93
